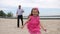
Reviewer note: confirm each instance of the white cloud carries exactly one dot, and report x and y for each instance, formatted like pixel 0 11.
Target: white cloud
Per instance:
pixel 2 8
pixel 12 3
pixel 41 3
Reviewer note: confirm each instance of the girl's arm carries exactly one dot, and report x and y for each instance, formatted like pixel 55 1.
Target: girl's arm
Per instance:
pixel 42 27
pixel 26 22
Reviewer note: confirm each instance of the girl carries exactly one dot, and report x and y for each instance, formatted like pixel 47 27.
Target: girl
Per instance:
pixel 33 23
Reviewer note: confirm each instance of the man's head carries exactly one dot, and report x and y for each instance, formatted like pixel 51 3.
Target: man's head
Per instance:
pixel 19 6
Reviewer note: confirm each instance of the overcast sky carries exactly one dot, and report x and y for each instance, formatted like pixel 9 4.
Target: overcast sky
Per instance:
pixel 31 3
pixel 11 4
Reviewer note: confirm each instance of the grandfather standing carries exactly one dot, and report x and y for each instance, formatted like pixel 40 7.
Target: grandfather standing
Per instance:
pixel 19 15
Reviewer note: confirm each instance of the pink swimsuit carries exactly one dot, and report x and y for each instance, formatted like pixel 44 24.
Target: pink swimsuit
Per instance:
pixel 34 25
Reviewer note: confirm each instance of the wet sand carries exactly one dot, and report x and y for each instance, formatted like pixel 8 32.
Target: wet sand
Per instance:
pixel 9 26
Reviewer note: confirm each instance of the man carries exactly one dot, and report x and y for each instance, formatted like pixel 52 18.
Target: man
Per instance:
pixel 19 15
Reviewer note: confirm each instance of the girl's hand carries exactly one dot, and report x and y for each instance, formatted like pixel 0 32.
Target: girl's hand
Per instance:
pixel 45 30
pixel 22 27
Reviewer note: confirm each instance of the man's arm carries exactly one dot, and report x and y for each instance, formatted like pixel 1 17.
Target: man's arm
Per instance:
pixel 17 13
pixel 22 10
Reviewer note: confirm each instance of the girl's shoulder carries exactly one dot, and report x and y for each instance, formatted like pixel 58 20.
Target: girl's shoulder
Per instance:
pixel 33 16
pixel 30 16
pixel 38 17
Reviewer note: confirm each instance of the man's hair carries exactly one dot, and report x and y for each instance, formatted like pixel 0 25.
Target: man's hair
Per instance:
pixel 19 5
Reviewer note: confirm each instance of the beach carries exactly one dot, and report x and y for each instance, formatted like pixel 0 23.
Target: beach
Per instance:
pixel 9 26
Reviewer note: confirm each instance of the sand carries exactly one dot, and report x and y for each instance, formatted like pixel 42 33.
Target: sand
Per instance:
pixel 9 26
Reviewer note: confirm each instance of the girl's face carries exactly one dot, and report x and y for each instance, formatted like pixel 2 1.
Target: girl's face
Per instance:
pixel 35 12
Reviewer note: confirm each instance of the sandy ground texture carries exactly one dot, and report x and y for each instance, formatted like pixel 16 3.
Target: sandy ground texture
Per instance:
pixel 9 26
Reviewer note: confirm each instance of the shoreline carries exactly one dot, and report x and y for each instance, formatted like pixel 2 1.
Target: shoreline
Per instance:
pixel 40 18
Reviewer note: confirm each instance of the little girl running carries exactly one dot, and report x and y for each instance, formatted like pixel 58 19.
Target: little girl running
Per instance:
pixel 33 24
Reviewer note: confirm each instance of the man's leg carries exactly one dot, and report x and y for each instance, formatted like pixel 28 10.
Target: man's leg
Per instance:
pixel 22 19
pixel 18 21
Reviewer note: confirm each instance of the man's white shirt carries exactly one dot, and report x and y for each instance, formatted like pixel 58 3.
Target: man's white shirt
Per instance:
pixel 20 11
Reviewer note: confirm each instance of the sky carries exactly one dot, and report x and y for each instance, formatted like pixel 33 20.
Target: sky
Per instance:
pixel 46 7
